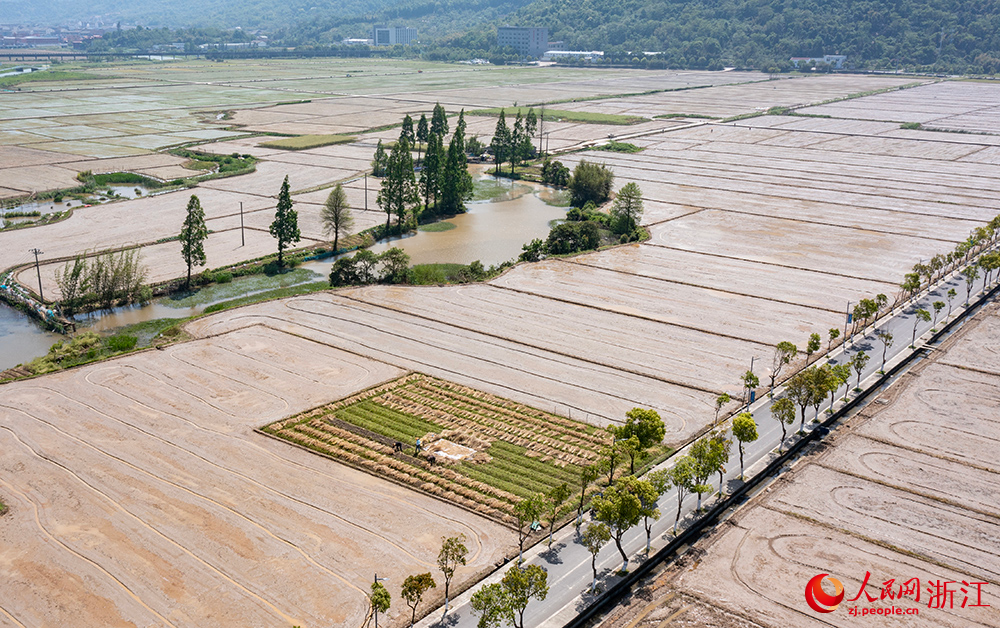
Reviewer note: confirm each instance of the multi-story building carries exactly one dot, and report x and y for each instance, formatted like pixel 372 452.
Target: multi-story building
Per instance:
pixel 533 42
pixel 392 35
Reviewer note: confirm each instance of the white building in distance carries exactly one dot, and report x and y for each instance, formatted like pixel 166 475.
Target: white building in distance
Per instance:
pixel 533 42
pixel 392 35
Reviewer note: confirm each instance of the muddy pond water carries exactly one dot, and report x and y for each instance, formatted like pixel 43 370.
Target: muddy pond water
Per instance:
pixel 492 231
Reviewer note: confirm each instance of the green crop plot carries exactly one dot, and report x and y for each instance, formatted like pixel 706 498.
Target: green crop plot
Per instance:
pixel 488 452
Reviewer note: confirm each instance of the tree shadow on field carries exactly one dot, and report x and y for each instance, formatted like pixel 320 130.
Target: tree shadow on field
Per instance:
pixel 551 555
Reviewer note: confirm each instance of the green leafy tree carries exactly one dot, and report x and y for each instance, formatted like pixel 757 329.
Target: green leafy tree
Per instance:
pixel 430 174
pixel 590 182
pixel 395 265
pixel 660 481
pixel 971 275
pixel 517 140
pixel 336 215
pixel 380 163
pixel 193 236
pixel 456 184
pixel 745 431
pixel 453 554
pixel 439 121
pixel 622 506
pixel 721 401
pixel 285 227
pixel 595 537
pixel 784 353
pixel 413 591
pixel 527 512
pixel 399 189
pixel 719 451
pixel 841 375
pixel 886 337
pixel 783 410
pixel 422 133
pixel 951 296
pixel 379 600
pixel 833 334
pixel 750 382
pixel 799 389
pixel 707 463
pixel 681 477
pixel 858 363
pixel 921 315
pixel 587 475
pixel 610 455
pixel 820 383
pixel 648 429
pixel 507 600
pixel 813 346
pixel 626 211
pixel 554 500
pixel 406 130
pixel 501 142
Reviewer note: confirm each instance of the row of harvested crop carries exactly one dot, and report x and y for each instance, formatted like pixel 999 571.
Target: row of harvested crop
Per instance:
pixel 338 441
pixel 564 428
pixel 532 435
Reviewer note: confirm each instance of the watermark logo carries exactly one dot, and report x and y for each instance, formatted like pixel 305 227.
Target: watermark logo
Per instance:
pixel 818 599
pixel 940 594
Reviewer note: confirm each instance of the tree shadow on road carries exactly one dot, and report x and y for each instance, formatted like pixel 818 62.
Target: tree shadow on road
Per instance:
pixel 551 555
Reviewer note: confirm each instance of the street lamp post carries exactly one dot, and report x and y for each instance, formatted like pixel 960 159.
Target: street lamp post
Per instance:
pixel 374 608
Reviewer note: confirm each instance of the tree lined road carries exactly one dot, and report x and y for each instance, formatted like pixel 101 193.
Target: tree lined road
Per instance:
pixel 568 562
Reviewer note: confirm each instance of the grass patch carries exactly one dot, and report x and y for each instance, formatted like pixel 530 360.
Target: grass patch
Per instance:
pixel 911 126
pixel 147 331
pixel 619 147
pixel 671 116
pixel 269 295
pixel 489 189
pixel 442 225
pixel 305 142
pixel 242 288
pixel 517 450
pixel 559 115
pixel 431 274
pixel 48 76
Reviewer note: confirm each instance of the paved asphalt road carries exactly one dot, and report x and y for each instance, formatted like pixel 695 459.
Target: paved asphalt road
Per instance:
pixel 568 563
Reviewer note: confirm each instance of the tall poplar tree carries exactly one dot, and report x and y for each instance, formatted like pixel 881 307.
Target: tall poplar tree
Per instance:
pixel 422 133
pixel 501 141
pixel 193 236
pixel 430 174
pixel 285 227
pixel 399 188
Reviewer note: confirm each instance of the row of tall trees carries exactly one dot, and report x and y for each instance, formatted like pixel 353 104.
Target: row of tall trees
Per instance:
pixel 514 145
pixel 444 182
pixel 452 555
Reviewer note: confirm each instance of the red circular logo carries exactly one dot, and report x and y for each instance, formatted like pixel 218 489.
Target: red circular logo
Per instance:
pixel 821 601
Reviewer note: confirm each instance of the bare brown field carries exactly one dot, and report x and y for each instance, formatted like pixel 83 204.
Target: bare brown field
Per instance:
pixel 905 490
pixel 139 494
pixel 953 105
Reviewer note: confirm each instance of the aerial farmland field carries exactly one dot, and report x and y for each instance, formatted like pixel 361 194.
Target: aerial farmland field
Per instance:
pixel 139 489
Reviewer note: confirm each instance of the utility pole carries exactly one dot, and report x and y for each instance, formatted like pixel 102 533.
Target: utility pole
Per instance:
pixel 847 319
pixel 375 610
pixel 37 252
pixel 366 191
pixel 243 237
pixel 541 131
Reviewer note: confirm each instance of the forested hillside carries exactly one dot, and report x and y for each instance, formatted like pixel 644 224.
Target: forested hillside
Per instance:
pixel 759 32
pixel 938 35
pixel 263 14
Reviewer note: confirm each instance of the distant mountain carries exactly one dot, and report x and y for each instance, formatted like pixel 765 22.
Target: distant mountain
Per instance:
pixel 695 33
pixel 263 14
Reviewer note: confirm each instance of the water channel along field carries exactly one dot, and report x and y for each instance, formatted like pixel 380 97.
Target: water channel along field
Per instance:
pixel 140 492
